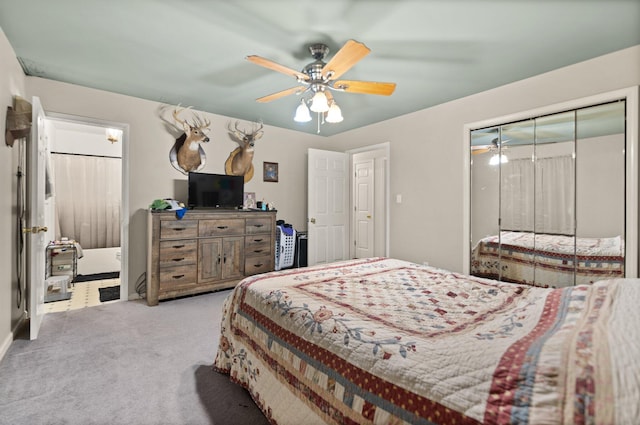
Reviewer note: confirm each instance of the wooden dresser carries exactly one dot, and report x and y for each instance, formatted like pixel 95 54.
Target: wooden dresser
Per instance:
pixel 206 250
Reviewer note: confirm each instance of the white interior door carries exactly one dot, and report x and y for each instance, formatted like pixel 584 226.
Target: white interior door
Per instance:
pixel 327 206
pixel 364 218
pixel 36 229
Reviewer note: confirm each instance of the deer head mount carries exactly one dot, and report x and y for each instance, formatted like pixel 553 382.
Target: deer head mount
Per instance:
pixel 240 159
pixel 187 154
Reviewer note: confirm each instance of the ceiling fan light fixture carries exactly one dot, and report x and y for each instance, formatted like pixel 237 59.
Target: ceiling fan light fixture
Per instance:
pixel 334 115
pixel 302 113
pixel 498 159
pixel 319 102
pixel 113 134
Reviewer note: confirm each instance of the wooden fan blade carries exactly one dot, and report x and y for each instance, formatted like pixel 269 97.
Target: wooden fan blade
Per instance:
pixel 366 87
pixel 283 93
pixel 277 67
pixel 344 59
pixel 476 150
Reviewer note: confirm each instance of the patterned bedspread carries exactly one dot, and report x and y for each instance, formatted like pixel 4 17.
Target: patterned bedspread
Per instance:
pixel 383 341
pixel 547 260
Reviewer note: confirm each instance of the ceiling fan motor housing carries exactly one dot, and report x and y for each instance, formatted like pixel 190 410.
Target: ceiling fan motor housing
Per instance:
pixel 314 70
pixel 319 51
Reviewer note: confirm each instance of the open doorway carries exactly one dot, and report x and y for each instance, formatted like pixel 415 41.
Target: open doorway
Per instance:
pixel 84 212
pixel 369 199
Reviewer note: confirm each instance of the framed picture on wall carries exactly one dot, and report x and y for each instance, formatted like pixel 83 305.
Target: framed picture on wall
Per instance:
pixel 270 171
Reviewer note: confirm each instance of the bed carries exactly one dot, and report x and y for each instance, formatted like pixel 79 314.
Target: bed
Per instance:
pixel 384 341
pixel 547 260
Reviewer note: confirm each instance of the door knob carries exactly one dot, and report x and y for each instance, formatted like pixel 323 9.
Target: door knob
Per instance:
pixel 34 229
pixel 368 216
pixel 312 220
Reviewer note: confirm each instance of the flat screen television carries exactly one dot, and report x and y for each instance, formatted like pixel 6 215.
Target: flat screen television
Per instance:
pixel 215 191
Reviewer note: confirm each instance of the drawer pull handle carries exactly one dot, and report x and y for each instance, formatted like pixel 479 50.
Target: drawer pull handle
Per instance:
pixel 258 225
pixel 178 259
pixel 179 276
pixel 258 250
pixel 223 227
pixel 257 265
pixel 178 246
pixel 258 240
pixel 179 229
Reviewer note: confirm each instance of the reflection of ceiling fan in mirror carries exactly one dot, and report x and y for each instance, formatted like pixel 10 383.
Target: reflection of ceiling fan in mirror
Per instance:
pixel 493 147
pixel 321 78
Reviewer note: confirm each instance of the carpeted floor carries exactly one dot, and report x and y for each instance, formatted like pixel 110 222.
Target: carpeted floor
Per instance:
pixel 124 363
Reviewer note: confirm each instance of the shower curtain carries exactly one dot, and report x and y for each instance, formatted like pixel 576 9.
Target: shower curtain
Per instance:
pixel 88 199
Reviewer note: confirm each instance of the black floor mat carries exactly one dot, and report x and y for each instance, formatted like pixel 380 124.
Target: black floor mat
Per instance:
pixel 109 293
pixel 96 276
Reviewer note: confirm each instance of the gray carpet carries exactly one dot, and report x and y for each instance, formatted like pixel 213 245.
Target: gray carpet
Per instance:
pixel 124 363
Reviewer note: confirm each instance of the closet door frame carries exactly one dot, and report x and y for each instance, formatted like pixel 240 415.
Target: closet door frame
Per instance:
pixel 631 96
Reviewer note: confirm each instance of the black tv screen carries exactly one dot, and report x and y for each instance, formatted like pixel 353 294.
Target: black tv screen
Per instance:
pixel 215 191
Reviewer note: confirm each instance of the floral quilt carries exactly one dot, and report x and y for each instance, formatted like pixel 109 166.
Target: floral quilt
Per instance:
pixel 547 260
pixel 384 341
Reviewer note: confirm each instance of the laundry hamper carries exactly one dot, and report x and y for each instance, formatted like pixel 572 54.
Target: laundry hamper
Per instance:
pixel 285 246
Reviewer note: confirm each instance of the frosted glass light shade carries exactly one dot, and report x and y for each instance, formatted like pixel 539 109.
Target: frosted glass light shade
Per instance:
pixel 335 114
pixel 302 113
pixel 113 135
pixel 319 102
pixel 498 159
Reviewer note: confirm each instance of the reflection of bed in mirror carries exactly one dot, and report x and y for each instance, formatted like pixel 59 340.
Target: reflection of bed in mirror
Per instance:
pixel 547 260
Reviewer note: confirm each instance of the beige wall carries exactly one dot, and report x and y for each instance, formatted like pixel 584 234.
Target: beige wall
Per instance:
pixel 12 82
pixel 427 151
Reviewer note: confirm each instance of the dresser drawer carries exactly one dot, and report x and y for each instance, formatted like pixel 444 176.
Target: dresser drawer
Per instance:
pixel 258 264
pixel 171 229
pixel 223 227
pixel 176 253
pixel 177 276
pixel 258 245
pixel 258 225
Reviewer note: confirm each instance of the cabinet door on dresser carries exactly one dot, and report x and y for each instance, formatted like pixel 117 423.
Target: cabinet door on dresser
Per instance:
pixel 209 259
pixel 233 257
pixel 220 258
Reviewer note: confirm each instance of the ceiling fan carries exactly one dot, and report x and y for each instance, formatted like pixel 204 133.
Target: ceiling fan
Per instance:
pixel 321 77
pixel 493 147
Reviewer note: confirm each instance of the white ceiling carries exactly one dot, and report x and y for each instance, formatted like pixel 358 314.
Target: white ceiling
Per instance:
pixel 192 51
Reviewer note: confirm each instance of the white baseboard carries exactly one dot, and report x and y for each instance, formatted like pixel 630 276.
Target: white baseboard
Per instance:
pixel 5 345
pixel 9 339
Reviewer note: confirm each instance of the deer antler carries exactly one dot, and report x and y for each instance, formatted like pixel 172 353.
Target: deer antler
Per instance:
pixel 197 122
pixel 244 135
pixel 176 112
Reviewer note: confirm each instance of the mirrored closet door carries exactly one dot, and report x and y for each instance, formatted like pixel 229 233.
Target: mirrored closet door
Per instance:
pixel 548 198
